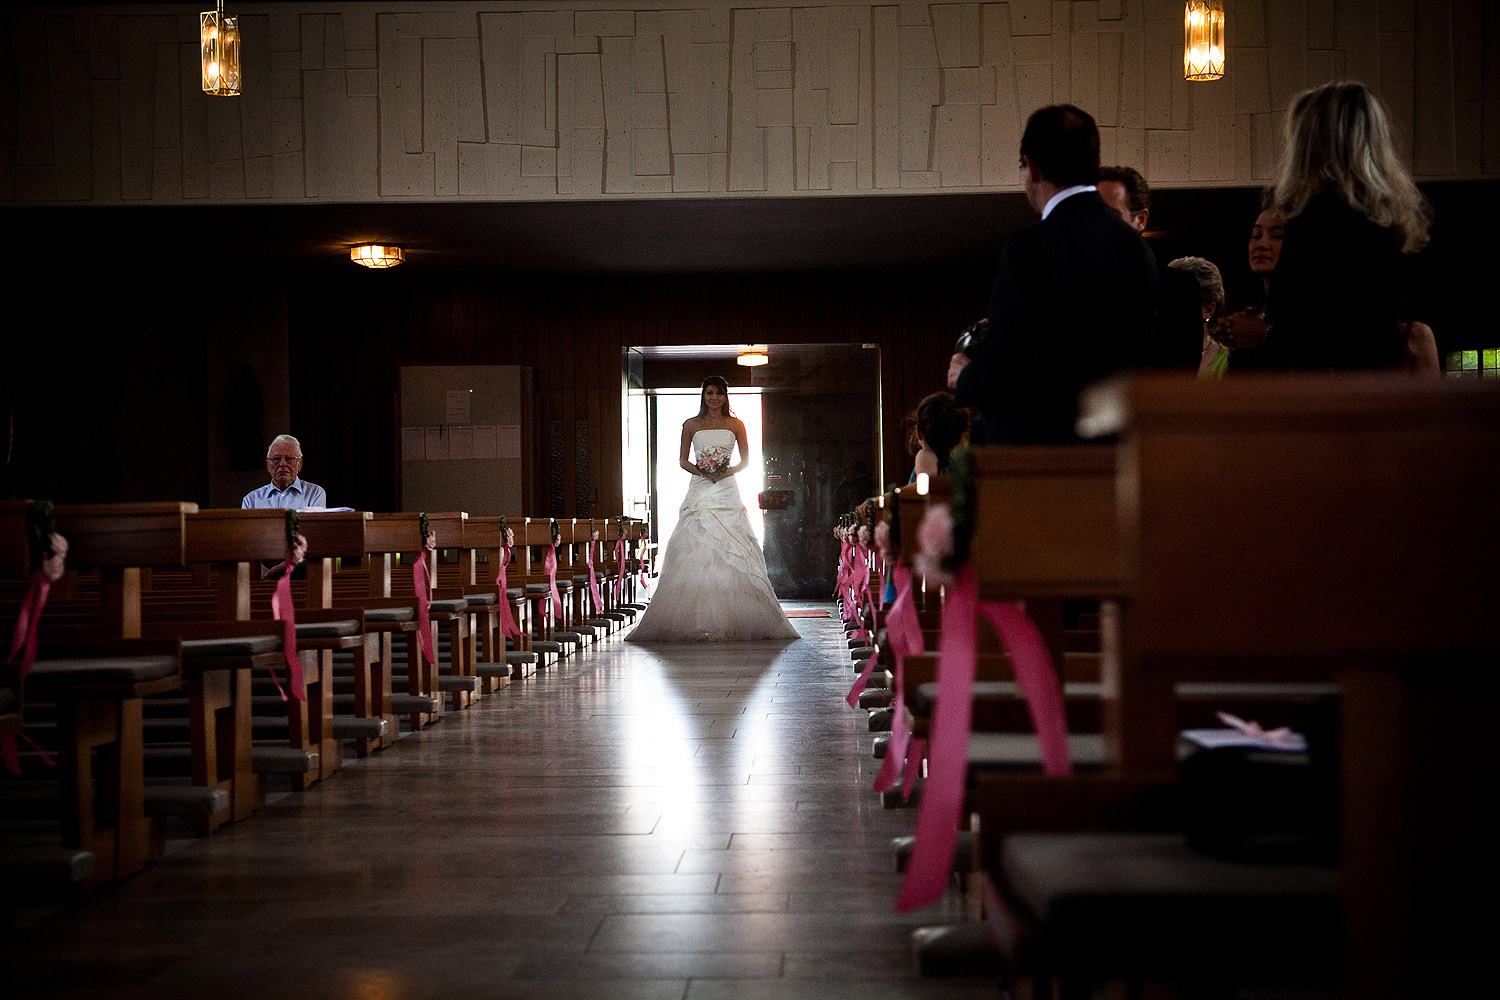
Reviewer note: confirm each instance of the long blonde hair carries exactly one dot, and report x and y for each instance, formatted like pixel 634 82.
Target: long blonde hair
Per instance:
pixel 1339 135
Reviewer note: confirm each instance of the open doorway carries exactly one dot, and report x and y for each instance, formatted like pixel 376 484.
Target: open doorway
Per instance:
pixel 812 416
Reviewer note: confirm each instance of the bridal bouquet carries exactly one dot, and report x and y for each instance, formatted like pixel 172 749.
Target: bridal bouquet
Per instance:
pixel 712 461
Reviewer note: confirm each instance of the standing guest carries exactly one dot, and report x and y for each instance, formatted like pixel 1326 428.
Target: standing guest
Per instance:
pixel 1210 285
pixel 1074 299
pixel 1176 339
pixel 1126 191
pixel 1352 213
pixel 936 429
pixel 287 488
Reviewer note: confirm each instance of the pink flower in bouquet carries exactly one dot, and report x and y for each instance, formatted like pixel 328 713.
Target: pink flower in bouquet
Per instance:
pixel 935 543
pixel 883 541
pixel 510 538
pixel 299 551
pixel 57 556
pixel 864 535
pixel 430 542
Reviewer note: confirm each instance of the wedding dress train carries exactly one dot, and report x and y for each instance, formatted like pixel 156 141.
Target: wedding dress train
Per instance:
pixel 713 585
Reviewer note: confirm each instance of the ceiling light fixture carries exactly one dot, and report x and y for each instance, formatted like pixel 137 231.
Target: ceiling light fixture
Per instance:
pixel 753 359
pixel 375 255
pixel 1203 39
pixel 220 37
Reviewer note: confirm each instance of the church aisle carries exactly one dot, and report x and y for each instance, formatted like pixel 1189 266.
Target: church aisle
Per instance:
pixel 665 823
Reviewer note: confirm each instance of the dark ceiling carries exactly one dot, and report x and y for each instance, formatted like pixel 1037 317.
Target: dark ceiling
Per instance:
pixel 636 236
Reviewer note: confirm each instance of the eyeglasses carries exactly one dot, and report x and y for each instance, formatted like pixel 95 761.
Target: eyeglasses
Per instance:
pixel 279 459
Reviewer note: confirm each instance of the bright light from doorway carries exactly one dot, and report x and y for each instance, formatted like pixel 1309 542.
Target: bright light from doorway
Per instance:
pixel 673 408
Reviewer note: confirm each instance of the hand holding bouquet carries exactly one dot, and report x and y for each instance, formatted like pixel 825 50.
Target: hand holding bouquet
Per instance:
pixel 712 462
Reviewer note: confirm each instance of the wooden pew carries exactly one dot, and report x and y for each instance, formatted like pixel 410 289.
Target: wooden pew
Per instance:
pixel 386 535
pixel 483 535
pixel 1333 503
pixel 98 687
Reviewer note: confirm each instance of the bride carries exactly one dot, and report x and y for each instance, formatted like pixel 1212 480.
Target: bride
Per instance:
pixel 713 583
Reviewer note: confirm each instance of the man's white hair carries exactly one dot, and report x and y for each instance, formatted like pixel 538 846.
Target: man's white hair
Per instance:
pixel 284 439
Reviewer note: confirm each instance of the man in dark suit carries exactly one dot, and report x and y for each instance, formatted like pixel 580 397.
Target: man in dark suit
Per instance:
pixel 1074 299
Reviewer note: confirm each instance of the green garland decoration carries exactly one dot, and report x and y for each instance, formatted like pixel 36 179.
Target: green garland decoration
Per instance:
pixel 502 529
pixel 424 528
pixel 293 527
pixel 961 469
pixel 556 532
pixel 41 523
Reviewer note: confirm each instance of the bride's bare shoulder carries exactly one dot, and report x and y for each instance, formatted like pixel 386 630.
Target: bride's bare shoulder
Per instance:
pixel 692 423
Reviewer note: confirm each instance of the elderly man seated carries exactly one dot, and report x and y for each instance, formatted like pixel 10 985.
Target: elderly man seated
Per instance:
pixel 287 487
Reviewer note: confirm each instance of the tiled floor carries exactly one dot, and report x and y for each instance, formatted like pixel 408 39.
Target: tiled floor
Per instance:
pixel 671 823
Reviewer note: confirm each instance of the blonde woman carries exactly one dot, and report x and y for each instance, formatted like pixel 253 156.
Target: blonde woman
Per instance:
pixel 1353 213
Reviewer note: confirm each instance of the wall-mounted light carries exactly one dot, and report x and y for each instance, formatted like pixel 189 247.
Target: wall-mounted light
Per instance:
pixel 1203 39
pixel 375 255
pixel 753 359
pixel 220 37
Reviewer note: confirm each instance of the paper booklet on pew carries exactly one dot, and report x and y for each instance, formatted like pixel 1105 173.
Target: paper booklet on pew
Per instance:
pixel 1242 733
pixel 327 510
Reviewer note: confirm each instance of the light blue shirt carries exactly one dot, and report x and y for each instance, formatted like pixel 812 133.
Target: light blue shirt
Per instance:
pixel 300 494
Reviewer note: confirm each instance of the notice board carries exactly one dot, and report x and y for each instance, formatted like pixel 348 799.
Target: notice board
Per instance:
pixel 463 438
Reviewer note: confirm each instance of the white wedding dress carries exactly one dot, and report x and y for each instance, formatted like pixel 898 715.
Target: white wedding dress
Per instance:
pixel 713 585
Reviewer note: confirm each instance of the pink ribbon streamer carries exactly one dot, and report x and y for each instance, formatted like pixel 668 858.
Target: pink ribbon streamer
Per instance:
pixel 621 570
pixel 507 620
pixel 1036 678
pixel 588 553
pixel 28 629
pixel 283 610
pixel 549 563
pixel 640 565
pixel 947 761
pixel 903 632
pixel 421 584
pixel 942 799
pixel 28 620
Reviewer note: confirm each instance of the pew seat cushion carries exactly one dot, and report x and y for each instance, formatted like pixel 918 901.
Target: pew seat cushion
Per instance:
pixel 283 760
pixel 515 593
pixel 329 630
pixel 32 866
pixel 519 656
pixel 492 669
pixel 459 682
pixel 383 615
pixel 925 698
pixel 240 645
pixel 1021 751
pixel 482 600
pixel 408 703
pixel 1146 904
pixel 546 646
pixel 581 579
pixel 351 728
pixel 63 673
pixel 537 588
pixel 453 607
pixel 184 800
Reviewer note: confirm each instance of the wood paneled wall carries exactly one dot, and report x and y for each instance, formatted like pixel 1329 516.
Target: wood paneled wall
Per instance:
pixel 349 336
pixel 569 99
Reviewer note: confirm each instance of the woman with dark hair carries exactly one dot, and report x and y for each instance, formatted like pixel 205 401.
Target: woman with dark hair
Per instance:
pixel 713 584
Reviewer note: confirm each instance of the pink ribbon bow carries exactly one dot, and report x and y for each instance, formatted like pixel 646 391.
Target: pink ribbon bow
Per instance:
pixel 421 584
pixel 549 563
pixel 28 630
pixel 283 610
pixel 507 620
pixel 588 554
pixel 903 631
pixel 942 800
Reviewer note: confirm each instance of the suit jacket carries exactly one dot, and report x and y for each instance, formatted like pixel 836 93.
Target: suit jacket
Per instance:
pixel 1074 301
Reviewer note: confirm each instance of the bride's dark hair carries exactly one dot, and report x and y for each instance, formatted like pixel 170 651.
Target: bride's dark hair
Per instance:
pixel 703 395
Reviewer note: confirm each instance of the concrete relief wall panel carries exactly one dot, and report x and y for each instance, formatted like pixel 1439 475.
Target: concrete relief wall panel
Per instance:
pixel 577 99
